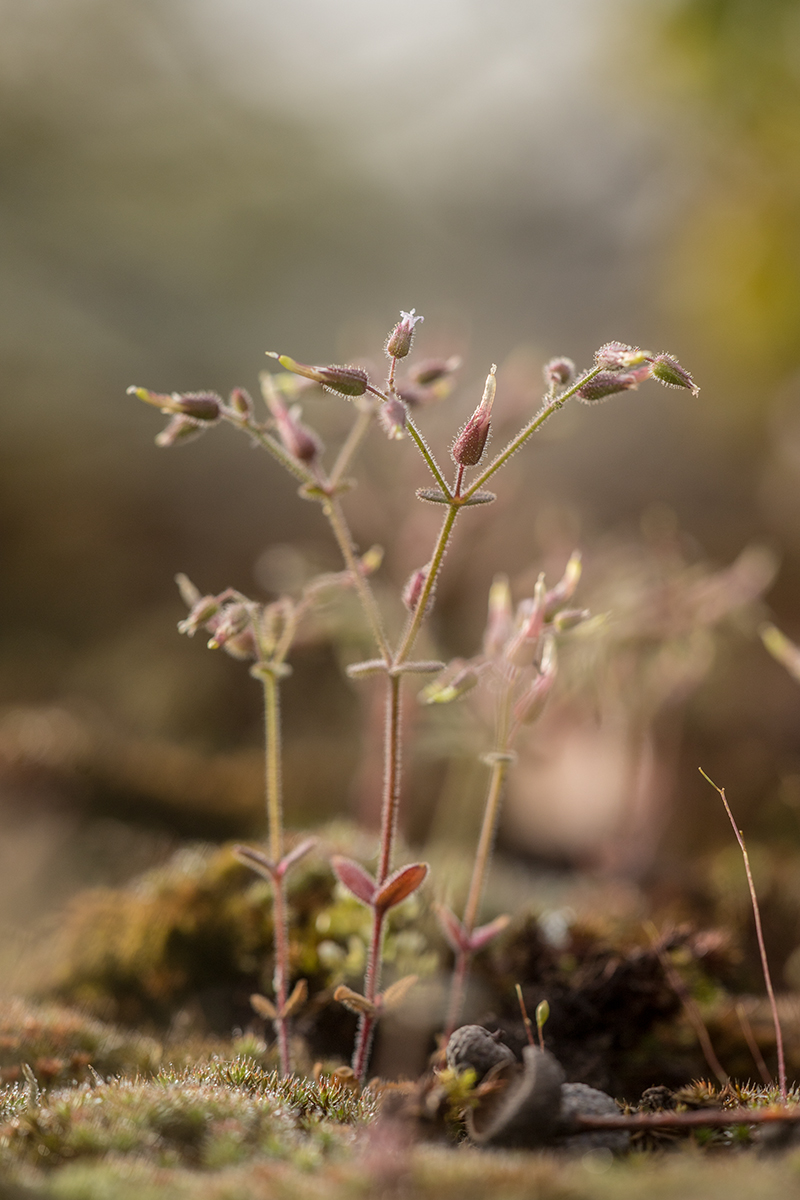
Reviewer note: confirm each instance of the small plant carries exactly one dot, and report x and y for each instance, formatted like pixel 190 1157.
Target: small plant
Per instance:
pixel 518 663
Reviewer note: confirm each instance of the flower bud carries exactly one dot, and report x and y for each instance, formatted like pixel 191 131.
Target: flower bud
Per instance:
pixel 433 369
pixel 570 618
pixel 298 440
pixel 500 617
pixel 392 416
pixel 180 429
pixel 202 611
pixel 606 383
pixel 444 692
pixel 413 589
pixel 531 704
pixel 200 406
pixel 565 588
pixel 559 372
pixel 521 650
pixel 347 381
pixel 669 371
pixel 402 335
pixel 616 356
pixel 241 403
pixel 468 447
pixel 233 620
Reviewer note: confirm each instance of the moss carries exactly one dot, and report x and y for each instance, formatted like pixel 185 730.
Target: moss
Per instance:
pixel 62 1046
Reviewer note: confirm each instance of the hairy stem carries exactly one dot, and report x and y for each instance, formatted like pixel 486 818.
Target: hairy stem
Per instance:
pixel 535 423
pixel 341 531
pixel 500 762
pixel 391 801
pixel 417 617
pixel 274 789
pixel 760 935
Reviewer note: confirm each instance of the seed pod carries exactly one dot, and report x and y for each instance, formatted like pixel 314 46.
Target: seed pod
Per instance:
pixel 616 356
pixel 241 402
pixel 392 416
pixel 200 406
pixel 606 383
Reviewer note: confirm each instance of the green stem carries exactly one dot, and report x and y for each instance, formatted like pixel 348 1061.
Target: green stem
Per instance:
pixel 523 435
pixel 358 432
pixel 333 511
pixel 500 764
pixel 426 454
pixel 280 921
pixel 413 627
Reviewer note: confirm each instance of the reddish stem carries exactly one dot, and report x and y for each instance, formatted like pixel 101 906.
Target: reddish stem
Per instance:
pixel 280 978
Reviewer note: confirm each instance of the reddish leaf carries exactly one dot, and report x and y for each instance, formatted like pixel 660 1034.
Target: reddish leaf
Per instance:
pixel 255 859
pixel 484 934
pixel 295 855
pixel 355 1001
pixel 452 928
pixel 400 886
pixel 296 1000
pixel 264 1007
pixel 355 878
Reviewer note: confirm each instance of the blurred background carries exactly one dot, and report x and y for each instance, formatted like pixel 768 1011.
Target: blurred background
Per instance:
pixel 186 184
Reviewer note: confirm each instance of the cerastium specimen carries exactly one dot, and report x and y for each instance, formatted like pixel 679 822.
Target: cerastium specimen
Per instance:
pixel 519 651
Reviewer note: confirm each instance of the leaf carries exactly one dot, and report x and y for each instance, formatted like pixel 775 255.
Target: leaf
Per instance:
pixel 296 1000
pixel 394 996
pixel 453 930
pixel 294 856
pixel 257 861
pixel 400 886
pixel 355 878
pixel 355 1001
pixel 264 1007
pixel 484 934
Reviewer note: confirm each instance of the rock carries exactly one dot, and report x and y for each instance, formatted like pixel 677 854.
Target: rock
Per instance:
pixel 473 1046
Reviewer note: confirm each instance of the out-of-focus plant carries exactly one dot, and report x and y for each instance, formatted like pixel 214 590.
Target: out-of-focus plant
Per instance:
pixel 519 652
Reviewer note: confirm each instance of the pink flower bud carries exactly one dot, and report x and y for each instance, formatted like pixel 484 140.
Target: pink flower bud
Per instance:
pixel 202 611
pixel 241 403
pixel 559 372
pixel 392 416
pixel 668 370
pixel 347 381
pixel 616 356
pixel 180 429
pixel 565 588
pixel 413 589
pixel 531 704
pixel 402 335
pixel 523 647
pixel 499 622
pixel 298 440
pixel 468 447
pixel 607 383
pixel 200 406
pixel 232 620
pixel 433 369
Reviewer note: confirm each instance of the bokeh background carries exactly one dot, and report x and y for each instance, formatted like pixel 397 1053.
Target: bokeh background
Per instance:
pixel 186 184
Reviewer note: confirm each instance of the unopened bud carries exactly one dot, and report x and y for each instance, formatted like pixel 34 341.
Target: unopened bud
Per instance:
pixel 565 588
pixel 392 416
pixel 669 371
pixel 559 372
pixel 531 704
pixel 241 645
pixel 298 440
pixel 402 335
pixel 522 649
pixel 606 383
pixel 347 381
pixel 445 691
pixel 232 621
pixel 200 406
pixel 570 618
pixel 241 403
pixel 202 611
pixel 500 617
pixel 413 589
pixel 180 429
pixel 433 369
pixel 468 447
pixel 616 356
pixel 371 560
